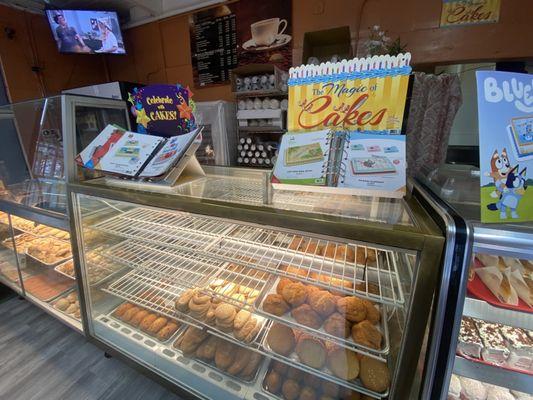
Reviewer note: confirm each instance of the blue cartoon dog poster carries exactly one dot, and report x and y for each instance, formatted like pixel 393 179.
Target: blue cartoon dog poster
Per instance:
pixel 505 111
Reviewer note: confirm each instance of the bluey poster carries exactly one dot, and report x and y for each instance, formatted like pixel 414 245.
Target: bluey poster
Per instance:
pixel 505 110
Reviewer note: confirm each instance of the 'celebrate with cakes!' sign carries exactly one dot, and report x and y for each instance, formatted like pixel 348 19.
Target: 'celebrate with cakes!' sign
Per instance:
pixel 164 110
pixel 365 95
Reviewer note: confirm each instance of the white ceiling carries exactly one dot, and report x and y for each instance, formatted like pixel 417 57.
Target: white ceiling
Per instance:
pixel 132 12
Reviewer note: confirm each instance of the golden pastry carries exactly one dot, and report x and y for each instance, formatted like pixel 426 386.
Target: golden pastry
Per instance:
pixel 241 318
pixel 129 314
pixel 374 374
pixel 281 284
pixel 281 339
pixel 167 331
pixel 295 243
pixel 372 312
pixel 273 382
pixel 337 325
pixel 138 317
pixel 206 351
pixel 343 363
pixel 225 313
pixel 307 393
pixel 275 304
pixel 366 334
pixel 119 312
pixel 290 389
pixel 305 315
pixel 253 364
pixel 182 303
pixel 242 357
pixel 311 351
pixel 147 321
pixel 291 270
pixel 225 354
pixel 279 367
pixel 352 308
pixel 248 328
pixel 294 294
pixel 322 302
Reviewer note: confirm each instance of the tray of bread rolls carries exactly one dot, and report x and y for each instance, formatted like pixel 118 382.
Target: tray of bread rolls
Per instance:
pixel 69 304
pixel 49 252
pixel 155 325
pixel 236 362
pixel 363 374
pixel 282 381
pixel 349 321
pixel 343 267
pixel 223 317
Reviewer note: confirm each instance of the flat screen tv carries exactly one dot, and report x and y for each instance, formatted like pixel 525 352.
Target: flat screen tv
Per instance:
pixel 84 31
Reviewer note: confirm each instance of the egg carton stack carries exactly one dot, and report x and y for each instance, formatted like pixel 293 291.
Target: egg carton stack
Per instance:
pixel 252 152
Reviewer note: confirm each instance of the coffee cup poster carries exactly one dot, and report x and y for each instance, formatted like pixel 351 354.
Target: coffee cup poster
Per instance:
pixel 505 111
pixel 239 33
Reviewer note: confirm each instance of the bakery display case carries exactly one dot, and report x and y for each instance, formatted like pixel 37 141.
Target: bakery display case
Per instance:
pixel 227 289
pixel 491 344
pixel 41 138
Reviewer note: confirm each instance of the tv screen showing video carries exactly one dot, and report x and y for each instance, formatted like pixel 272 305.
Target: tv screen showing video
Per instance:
pixel 90 32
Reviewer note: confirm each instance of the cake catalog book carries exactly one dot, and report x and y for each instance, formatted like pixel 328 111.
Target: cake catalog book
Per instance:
pixel 505 113
pixel 119 152
pixel 342 162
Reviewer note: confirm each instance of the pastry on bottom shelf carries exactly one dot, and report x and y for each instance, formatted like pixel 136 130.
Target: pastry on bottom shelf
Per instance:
pixel 230 358
pixel 454 390
pixel 151 323
pixel 469 343
pixel 374 374
pixel 291 383
pixel 69 304
pixel 343 363
pixel 311 351
pixel 472 389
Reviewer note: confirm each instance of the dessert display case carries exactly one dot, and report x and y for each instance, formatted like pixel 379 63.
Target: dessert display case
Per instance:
pixel 40 138
pixel 491 342
pixel 226 289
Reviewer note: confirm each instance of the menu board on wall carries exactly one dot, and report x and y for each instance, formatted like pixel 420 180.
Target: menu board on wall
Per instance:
pixel 240 33
pixel 214 48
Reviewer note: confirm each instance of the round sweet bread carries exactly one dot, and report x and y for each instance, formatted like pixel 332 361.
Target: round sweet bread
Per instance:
pixel 225 312
pixel 294 294
pixel 311 351
pixel 343 363
pixel 281 284
pixel 322 302
pixel 374 374
pixel 367 334
pixel 352 308
pixel 275 304
pixel 290 389
pixel 281 339
pixel 273 382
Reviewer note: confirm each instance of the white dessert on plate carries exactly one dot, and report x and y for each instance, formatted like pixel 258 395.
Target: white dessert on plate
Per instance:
pixel 494 350
pixel 520 348
pixel 469 344
pixel 472 389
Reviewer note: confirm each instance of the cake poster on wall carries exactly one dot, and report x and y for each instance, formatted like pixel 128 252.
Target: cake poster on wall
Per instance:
pixel 469 12
pixel 164 110
pixel 240 33
pixel 505 113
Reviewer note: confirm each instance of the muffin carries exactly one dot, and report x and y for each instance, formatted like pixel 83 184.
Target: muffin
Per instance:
pixel 352 308
pixel 294 294
pixel 305 315
pixel 275 304
pixel 322 302
pixel 337 325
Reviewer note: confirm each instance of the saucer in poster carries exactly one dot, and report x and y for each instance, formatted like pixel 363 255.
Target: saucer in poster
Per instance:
pixel 281 40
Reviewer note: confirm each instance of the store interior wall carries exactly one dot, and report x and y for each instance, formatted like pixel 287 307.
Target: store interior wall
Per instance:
pixel 160 51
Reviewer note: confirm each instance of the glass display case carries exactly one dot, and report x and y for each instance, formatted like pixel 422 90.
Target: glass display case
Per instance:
pixel 491 341
pixel 229 290
pixel 40 140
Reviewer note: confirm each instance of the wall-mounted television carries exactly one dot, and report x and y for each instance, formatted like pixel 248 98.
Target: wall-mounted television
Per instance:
pixel 85 31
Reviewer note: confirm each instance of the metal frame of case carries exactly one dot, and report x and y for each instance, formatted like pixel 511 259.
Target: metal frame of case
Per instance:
pixel 425 238
pixel 52 218
pixel 513 240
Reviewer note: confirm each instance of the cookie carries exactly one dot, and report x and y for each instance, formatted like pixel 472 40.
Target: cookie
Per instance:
pixel 311 351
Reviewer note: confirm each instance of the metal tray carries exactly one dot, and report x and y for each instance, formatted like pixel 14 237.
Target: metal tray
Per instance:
pixel 65 294
pixel 349 343
pixel 213 366
pixel 174 335
pixel 63 273
pixel 294 361
pixel 8 243
pixel 52 265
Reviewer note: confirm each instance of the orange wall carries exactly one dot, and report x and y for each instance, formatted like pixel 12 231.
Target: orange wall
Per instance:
pixel 160 51
pixel 59 71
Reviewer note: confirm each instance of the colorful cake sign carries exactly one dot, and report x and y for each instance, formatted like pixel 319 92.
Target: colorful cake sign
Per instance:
pixel 164 110
pixel 364 95
pixel 505 113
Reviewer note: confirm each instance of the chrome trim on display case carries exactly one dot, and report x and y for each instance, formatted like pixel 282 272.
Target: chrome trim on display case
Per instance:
pixel 441 347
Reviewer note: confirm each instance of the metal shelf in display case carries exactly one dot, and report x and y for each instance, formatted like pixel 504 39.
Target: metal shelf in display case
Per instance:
pixel 182 239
